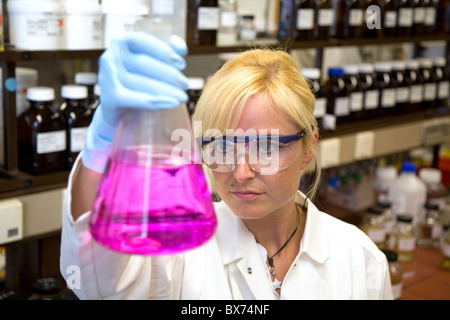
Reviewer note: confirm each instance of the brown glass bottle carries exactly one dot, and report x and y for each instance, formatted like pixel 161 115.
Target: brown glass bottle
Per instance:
pixel 390 18
pixel 77 114
pixel 41 134
pixel 355 92
pixel 405 18
pixel 371 91
pixel 202 22
pixel 287 20
pixel 356 23
pixel 429 83
pixel 338 99
pixel 340 19
pixel 387 100
pixel 443 17
pixel 418 17
pixel 324 18
pixel 415 85
pixel 402 87
pixel 305 19
pixel 443 81
pixel 430 17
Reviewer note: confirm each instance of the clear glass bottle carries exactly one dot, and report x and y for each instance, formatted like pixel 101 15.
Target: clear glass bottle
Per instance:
pixel 227 35
pixel 373 226
pixel 41 134
pixel 388 218
pixel 430 227
pixel 77 114
pixel 404 238
pixel 395 272
pixel 247 30
pixel 445 247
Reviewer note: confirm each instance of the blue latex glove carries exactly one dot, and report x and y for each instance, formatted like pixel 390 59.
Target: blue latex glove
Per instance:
pixel 137 71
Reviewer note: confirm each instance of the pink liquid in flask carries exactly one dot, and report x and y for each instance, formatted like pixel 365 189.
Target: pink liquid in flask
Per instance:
pixel 163 208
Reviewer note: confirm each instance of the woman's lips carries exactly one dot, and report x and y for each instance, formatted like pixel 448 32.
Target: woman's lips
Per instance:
pixel 246 195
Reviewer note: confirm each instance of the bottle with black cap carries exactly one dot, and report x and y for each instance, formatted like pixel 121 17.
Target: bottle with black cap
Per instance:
pixel 45 289
pixel 373 226
pixel 395 272
pixel 405 237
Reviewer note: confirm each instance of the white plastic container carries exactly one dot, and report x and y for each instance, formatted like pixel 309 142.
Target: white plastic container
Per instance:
pixel 36 24
pixel 384 177
pixel 120 17
pixel 408 193
pixel 83 25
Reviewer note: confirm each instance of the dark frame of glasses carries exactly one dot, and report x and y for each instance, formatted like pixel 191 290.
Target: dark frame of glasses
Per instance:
pixel 244 139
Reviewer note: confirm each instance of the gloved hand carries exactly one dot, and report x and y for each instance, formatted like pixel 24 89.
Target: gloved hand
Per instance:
pixel 137 71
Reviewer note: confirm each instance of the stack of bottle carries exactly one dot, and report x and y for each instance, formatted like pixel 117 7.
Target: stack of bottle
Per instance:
pixel 323 19
pixel 368 91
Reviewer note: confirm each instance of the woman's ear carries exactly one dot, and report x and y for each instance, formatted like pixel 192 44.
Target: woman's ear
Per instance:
pixel 310 148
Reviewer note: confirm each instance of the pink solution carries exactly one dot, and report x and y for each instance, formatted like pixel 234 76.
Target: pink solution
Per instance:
pixel 152 210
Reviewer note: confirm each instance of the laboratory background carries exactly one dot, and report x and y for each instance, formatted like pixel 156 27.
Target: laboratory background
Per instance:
pixel 379 70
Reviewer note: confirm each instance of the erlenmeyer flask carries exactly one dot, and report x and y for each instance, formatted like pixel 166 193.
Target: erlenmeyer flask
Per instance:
pixel 153 197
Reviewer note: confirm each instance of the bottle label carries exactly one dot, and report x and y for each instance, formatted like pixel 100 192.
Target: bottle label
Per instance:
pixel 48 142
pixel 163 7
pixel 419 15
pixel 430 16
pixel 228 19
pixel 430 92
pixel 405 18
pixel 305 19
pixel 443 89
pixel 355 18
pixel 388 98
pixel 325 17
pixel 402 94
pixel 320 108
pixel 371 99
pixel 356 101
pixel 208 18
pixel 49 25
pixel 77 138
pixel 341 107
pixel 406 244
pixel 416 93
pixel 390 19
pixel 376 235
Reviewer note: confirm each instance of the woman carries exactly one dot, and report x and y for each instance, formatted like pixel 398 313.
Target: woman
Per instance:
pixel 271 241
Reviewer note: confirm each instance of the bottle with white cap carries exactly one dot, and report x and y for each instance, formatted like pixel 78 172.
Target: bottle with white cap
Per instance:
pixel 317 88
pixel 436 191
pixel 41 134
pixel 88 79
pixel 77 114
pixel 384 177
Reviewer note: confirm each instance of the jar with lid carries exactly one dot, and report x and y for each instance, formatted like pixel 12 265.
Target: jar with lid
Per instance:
pixel 443 81
pixel 390 18
pixel 340 19
pixel 445 247
pixel 247 30
pixel 436 192
pixel 356 23
pixel 415 85
pixel 88 79
pixel 202 22
pixel 41 134
pixel 387 98
pixel 313 77
pixel 77 114
pixel 429 83
pixel 195 87
pixel 373 226
pixel 324 19
pixel 371 91
pixel 287 20
pixel 430 228
pixel 418 17
pixel 384 177
pixel 405 18
pixel 395 272
pixel 45 289
pixel 388 218
pixel 355 92
pixel 404 238
pixel 305 19
pixel 402 87
pixel 337 95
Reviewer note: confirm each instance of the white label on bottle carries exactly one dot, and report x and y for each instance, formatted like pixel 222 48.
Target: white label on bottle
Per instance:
pixel 371 99
pixel 443 89
pixel 419 15
pixel 388 98
pixel 406 243
pixel 430 92
pixel 390 19
pixel 356 101
pixel 163 7
pixel 48 142
pixel 320 108
pixel 208 18
pixel 47 26
pixel 305 19
pixel 405 18
pixel 416 93
pixel 77 138
pixel 228 19
pixel 397 290
pixel 355 17
pixel 325 17
pixel 402 94
pixel 341 107
pixel 430 16
pixel 377 235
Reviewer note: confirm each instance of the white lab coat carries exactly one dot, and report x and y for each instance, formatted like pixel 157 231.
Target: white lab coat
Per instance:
pixel 336 261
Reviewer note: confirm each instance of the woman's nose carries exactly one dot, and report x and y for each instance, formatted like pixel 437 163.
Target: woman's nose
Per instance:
pixel 243 170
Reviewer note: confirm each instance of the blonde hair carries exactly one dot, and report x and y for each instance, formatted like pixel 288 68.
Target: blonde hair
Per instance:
pixel 271 72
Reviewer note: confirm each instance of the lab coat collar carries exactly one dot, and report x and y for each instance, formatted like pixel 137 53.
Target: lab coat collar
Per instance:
pixel 235 243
